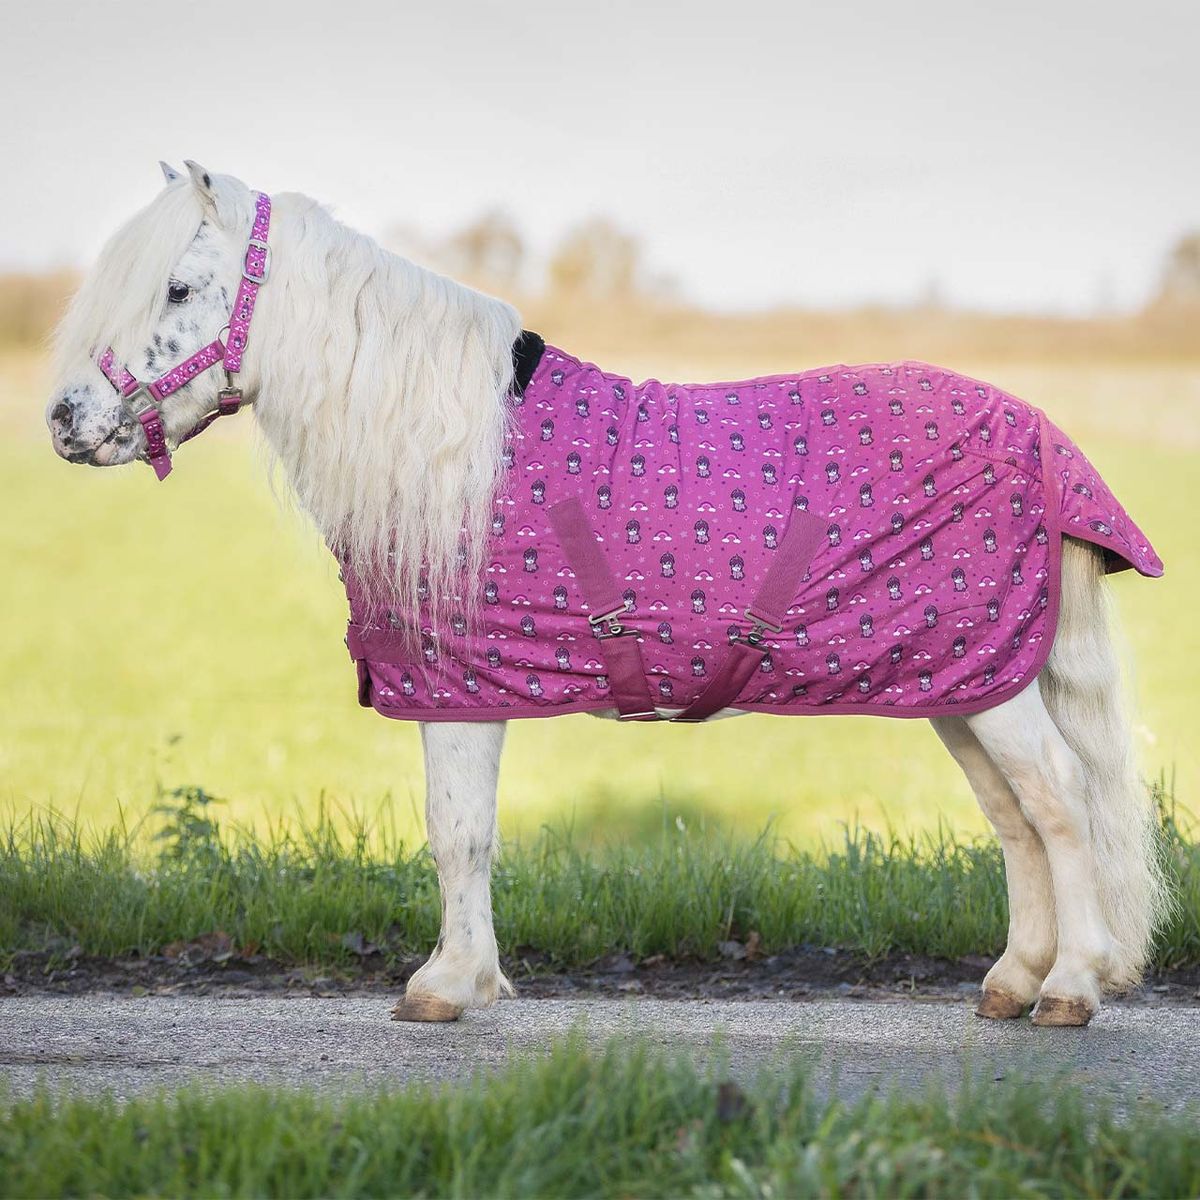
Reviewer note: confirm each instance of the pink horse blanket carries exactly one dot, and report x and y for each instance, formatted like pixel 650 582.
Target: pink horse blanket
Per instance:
pixel 895 532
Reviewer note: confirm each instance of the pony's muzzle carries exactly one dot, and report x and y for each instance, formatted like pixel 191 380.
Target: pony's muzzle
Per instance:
pixel 75 436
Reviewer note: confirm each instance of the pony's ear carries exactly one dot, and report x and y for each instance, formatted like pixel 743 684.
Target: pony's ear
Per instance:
pixel 169 173
pixel 204 183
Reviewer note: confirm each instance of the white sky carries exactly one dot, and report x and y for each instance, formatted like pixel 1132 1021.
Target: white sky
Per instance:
pixel 1022 154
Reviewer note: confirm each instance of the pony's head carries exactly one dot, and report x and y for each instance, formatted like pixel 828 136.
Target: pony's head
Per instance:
pixel 380 387
pixel 162 287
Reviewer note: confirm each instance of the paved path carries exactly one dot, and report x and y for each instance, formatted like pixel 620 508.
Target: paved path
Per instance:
pixel 126 1045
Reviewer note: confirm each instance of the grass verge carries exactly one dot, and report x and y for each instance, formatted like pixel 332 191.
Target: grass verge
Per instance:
pixel 318 896
pixel 623 1120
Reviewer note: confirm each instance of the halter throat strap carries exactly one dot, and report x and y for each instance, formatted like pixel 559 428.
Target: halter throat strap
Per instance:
pixel 146 398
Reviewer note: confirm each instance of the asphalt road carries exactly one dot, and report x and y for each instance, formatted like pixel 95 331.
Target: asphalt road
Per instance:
pixel 127 1045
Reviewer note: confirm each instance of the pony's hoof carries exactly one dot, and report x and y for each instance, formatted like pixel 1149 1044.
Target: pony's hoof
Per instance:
pixel 425 1008
pixel 997 1005
pixel 1059 1011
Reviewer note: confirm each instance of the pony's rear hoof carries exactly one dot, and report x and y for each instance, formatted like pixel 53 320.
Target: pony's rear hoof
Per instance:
pixel 425 1008
pixel 997 1005
pixel 1059 1011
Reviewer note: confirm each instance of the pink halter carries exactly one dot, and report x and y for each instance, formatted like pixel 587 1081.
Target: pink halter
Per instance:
pixel 255 268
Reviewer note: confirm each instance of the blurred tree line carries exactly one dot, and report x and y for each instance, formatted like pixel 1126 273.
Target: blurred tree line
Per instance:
pixel 595 260
pixel 1180 287
pixel 596 280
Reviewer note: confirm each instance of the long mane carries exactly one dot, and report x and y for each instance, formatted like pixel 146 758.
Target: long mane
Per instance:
pixel 384 396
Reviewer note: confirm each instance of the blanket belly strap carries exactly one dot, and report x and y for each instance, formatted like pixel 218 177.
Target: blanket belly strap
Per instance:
pixel 618 646
pixel 767 612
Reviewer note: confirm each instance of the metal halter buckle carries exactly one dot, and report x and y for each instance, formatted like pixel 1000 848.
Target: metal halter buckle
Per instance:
pixel 612 624
pixel 247 273
pixel 229 398
pixel 143 390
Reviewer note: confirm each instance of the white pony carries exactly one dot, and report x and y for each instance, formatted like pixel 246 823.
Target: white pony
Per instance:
pixel 383 391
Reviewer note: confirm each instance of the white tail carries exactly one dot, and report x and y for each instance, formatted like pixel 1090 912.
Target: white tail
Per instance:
pixel 1082 689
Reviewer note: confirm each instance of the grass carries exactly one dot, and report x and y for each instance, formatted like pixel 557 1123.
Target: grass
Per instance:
pixel 316 895
pixel 620 1121
pixel 189 630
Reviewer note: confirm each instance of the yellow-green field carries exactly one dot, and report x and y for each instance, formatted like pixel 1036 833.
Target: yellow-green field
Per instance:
pixel 191 632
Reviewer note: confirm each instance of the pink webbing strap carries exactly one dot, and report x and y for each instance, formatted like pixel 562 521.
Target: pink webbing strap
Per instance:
pixel 118 376
pixel 254 274
pixel 790 561
pixel 618 645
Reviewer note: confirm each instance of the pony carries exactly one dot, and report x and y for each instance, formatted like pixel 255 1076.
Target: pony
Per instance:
pixel 402 405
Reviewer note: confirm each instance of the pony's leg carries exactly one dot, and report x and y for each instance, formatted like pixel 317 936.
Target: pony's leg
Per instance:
pixel 1047 776
pixel 462 764
pixel 1016 977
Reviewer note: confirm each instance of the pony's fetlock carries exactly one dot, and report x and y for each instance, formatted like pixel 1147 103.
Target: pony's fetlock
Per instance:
pixel 1012 976
pixel 456 981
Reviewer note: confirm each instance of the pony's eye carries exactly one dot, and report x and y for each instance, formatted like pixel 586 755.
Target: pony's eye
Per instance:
pixel 177 293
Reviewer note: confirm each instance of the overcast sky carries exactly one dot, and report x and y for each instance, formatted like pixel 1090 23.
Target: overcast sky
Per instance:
pixel 1023 155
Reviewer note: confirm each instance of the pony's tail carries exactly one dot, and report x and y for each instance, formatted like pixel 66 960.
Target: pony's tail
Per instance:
pixel 1082 689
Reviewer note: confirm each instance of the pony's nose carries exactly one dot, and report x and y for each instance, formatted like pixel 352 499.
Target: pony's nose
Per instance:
pixel 63 413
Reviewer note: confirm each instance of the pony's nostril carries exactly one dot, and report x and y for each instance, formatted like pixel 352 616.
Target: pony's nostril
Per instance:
pixel 62 413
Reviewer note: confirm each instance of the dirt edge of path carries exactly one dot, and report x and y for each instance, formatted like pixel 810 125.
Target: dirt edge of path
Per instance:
pixel 801 973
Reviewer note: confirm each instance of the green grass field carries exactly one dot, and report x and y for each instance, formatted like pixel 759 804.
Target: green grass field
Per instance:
pixel 620 1121
pixel 191 632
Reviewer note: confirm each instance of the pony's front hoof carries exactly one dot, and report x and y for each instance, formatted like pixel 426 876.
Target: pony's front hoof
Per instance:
pixel 425 1008
pixel 1062 1011
pixel 998 1005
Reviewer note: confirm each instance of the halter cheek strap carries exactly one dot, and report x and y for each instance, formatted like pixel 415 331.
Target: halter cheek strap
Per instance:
pixel 146 398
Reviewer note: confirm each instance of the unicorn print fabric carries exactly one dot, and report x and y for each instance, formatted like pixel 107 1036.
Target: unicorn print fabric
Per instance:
pixel 923 514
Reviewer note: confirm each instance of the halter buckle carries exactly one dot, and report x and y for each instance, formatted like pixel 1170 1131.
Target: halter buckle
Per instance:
pixel 229 400
pixel 143 390
pixel 247 272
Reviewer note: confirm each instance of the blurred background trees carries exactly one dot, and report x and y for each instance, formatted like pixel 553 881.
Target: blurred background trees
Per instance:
pixel 596 282
pixel 1180 288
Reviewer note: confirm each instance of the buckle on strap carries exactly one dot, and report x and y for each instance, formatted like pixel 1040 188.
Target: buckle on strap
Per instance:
pixel 229 398
pixel 148 402
pixel 755 636
pixel 248 272
pixel 611 623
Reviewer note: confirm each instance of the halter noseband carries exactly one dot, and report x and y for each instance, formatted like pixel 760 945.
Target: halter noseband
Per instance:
pixel 256 266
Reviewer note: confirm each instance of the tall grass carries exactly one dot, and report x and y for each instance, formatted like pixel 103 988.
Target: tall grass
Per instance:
pixel 316 894
pixel 621 1121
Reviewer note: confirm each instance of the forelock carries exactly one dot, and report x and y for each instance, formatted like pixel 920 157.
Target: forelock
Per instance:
pixel 121 300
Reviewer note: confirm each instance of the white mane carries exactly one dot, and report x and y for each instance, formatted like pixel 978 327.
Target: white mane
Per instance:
pixel 382 387
pixel 384 396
